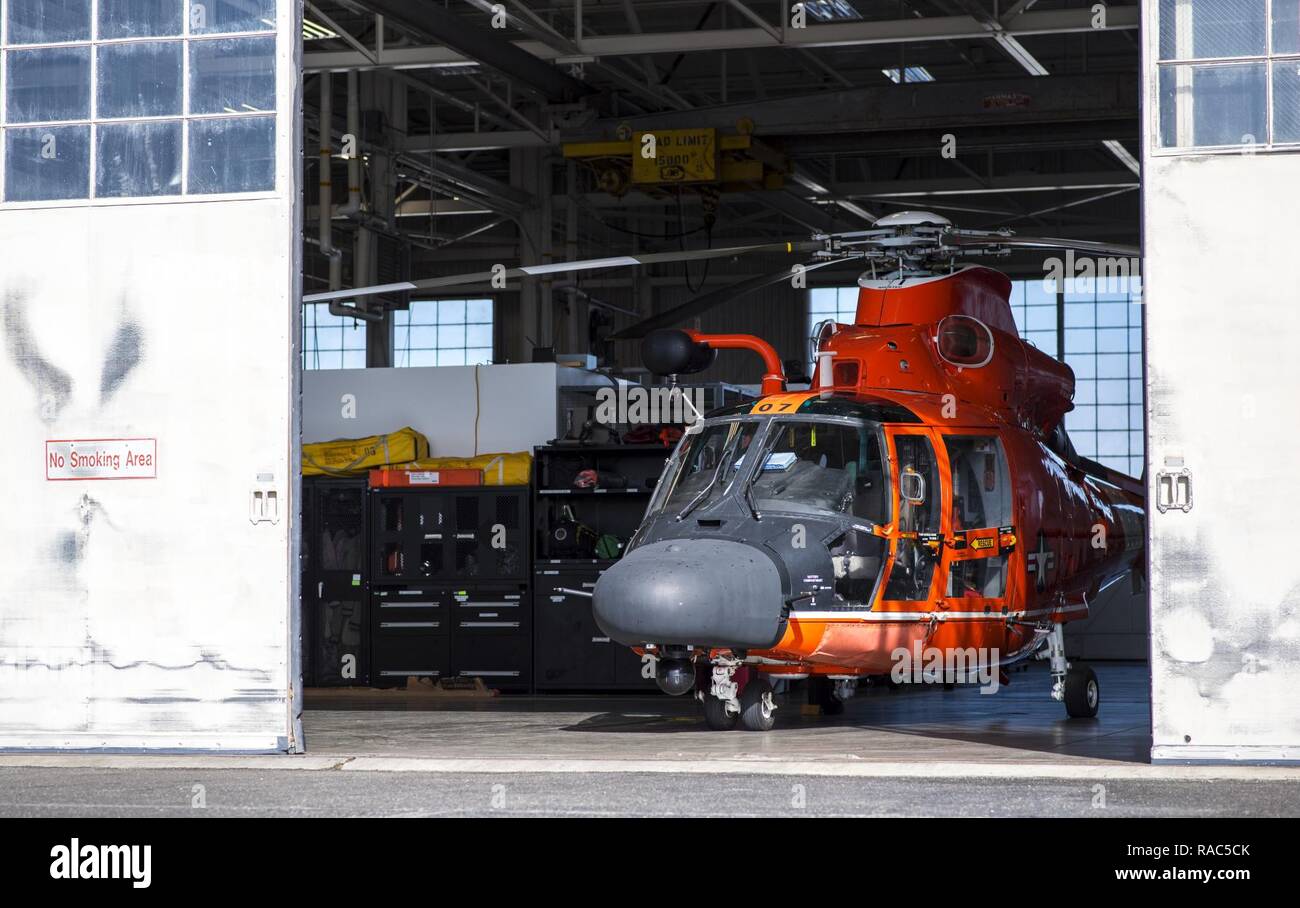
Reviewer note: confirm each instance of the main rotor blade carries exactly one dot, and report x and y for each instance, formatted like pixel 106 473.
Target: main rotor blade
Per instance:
pixel 617 261
pixel 1041 242
pixel 702 304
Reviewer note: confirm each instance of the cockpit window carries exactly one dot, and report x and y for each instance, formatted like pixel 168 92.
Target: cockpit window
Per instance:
pixel 708 464
pixel 818 467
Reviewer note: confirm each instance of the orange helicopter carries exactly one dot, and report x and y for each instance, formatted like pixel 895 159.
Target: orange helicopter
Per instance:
pixel 919 513
pixel 922 504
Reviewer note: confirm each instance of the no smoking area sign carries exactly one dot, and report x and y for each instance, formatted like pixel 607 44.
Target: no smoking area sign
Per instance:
pixel 101 458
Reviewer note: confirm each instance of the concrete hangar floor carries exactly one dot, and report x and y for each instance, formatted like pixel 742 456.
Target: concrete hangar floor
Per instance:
pixel 912 752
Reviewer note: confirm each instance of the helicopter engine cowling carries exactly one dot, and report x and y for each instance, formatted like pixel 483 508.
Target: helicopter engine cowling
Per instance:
pixel 951 333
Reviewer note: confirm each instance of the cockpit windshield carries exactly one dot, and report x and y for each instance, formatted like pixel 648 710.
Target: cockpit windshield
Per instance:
pixel 707 465
pixel 814 466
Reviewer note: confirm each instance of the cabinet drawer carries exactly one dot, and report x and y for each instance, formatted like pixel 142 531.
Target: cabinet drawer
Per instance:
pixel 406 611
pixel 398 657
pixel 394 615
pixel 492 610
pixel 407 626
pixel 410 596
pixel 550 581
pixel 572 650
pixel 501 661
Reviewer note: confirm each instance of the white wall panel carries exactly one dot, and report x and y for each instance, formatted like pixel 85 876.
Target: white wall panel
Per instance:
pixel 461 409
pixel 1222 329
pixel 151 613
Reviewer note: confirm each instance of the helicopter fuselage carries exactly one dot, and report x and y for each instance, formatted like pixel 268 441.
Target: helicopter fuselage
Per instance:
pixel 922 496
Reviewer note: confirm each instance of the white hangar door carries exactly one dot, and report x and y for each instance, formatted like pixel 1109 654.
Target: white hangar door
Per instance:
pixel 1223 329
pixel 148 312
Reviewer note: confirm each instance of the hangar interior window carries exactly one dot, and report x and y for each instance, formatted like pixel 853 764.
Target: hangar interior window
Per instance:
pixel 1102 344
pixel 1229 73
pixel 110 99
pixel 839 303
pixel 443 333
pixel 331 341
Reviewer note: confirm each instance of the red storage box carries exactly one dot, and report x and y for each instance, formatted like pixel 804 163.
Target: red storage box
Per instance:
pixel 401 479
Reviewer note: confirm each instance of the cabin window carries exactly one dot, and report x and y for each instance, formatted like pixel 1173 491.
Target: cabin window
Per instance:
pixel 918 512
pixel 707 464
pixel 981 499
pixel 856 557
pixel 978 578
pixel 822 467
pixel 981 483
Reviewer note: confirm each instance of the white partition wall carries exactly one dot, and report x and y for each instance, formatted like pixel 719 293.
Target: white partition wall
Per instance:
pixel 148 333
pixel 1221 160
pixel 462 410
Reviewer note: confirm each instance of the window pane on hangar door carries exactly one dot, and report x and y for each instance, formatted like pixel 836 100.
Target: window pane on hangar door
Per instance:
pixel 152 463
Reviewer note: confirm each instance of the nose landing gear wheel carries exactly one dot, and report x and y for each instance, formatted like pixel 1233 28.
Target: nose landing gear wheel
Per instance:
pixel 757 710
pixel 1082 693
pixel 716 716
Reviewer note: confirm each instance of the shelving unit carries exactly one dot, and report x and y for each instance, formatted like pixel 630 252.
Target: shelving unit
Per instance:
pixel 572 653
pixel 335 575
pixel 450 590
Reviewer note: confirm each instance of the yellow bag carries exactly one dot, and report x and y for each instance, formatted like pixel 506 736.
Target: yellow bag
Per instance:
pixel 348 456
pixel 498 469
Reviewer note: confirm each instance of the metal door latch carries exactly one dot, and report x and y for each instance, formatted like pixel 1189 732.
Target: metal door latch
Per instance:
pixel 1174 490
pixel 264 500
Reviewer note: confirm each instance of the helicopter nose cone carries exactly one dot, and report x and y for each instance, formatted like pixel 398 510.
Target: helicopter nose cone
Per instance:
pixel 700 592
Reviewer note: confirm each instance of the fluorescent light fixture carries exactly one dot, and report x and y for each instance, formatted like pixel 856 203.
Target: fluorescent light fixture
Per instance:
pixel 1122 155
pixel 459 68
pixel 1020 54
pixel 314 31
pixel 910 74
pixel 831 10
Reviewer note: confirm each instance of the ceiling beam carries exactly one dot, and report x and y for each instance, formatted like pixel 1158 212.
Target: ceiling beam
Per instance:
pixel 473 42
pixel 963 108
pixel 995 139
pixel 840 34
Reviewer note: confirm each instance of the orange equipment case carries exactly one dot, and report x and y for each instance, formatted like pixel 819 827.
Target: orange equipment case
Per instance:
pixel 401 478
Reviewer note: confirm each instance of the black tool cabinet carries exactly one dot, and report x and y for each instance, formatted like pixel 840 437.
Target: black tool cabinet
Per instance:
pixel 335 567
pixel 572 652
pixel 450 585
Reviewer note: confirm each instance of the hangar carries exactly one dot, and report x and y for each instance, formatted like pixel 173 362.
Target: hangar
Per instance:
pixel 322 447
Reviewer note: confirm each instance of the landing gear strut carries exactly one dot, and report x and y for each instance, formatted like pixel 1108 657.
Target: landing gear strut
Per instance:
pixel 1075 685
pixel 727 701
pixel 721 701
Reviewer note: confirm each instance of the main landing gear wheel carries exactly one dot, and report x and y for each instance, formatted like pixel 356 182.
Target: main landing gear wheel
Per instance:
pixel 821 693
pixel 1082 693
pixel 757 710
pixel 716 716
